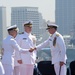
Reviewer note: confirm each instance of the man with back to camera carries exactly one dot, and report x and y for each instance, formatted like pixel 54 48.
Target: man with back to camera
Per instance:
pixel 58 49
pixel 9 45
pixel 27 40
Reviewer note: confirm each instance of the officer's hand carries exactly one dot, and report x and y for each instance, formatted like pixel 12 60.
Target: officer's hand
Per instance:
pixel 19 61
pixel 31 49
pixel 61 63
pixel 35 48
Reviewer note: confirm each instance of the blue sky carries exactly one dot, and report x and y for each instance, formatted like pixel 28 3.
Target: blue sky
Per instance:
pixel 46 7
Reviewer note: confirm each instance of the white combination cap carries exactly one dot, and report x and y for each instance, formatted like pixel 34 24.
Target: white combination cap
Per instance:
pixel 28 23
pixel 12 27
pixel 49 25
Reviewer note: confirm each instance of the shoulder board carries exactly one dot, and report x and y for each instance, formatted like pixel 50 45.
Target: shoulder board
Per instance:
pixel 50 34
pixel 57 35
pixel 33 35
pixel 21 33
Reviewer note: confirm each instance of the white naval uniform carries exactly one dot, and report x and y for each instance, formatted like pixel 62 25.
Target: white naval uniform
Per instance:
pixel 16 64
pixel 58 52
pixel 2 72
pixel 27 41
pixel 9 45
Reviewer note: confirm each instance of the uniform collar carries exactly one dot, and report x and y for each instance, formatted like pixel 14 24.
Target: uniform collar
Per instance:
pixel 54 35
pixel 27 33
pixel 10 36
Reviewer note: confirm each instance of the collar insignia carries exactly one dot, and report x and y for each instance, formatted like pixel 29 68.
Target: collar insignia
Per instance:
pixel 24 38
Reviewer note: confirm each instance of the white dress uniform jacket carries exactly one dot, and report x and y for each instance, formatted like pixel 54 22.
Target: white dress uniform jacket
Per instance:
pixel 58 52
pixel 27 41
pixel 9 45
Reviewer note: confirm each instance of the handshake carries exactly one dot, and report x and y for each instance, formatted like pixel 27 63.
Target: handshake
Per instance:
pixel 32 49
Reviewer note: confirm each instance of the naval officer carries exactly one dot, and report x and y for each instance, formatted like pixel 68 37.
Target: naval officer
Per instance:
pixel 58 49
pixel 9 45
pixel 27 41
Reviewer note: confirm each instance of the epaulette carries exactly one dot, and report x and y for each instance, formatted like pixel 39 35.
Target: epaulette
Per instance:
pixel 57 34
pixel 50 34
pixel 33 34
pixel 21 33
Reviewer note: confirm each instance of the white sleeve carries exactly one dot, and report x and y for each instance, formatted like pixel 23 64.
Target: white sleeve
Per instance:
pixel 17 47
pixel 42 45
pixel 62 48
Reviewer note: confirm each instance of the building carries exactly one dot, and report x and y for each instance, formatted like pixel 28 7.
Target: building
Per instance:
pixel 65 16
pixel 21 14
pixel 3 24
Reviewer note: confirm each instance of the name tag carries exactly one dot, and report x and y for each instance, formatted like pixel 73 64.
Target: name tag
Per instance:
pixel 24 38
pixel 50 39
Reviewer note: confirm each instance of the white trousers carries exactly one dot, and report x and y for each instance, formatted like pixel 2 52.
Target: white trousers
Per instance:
pixel 26 69
pixel 8 69
pixel 16 70
pixel 57 69
pixel 1 69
